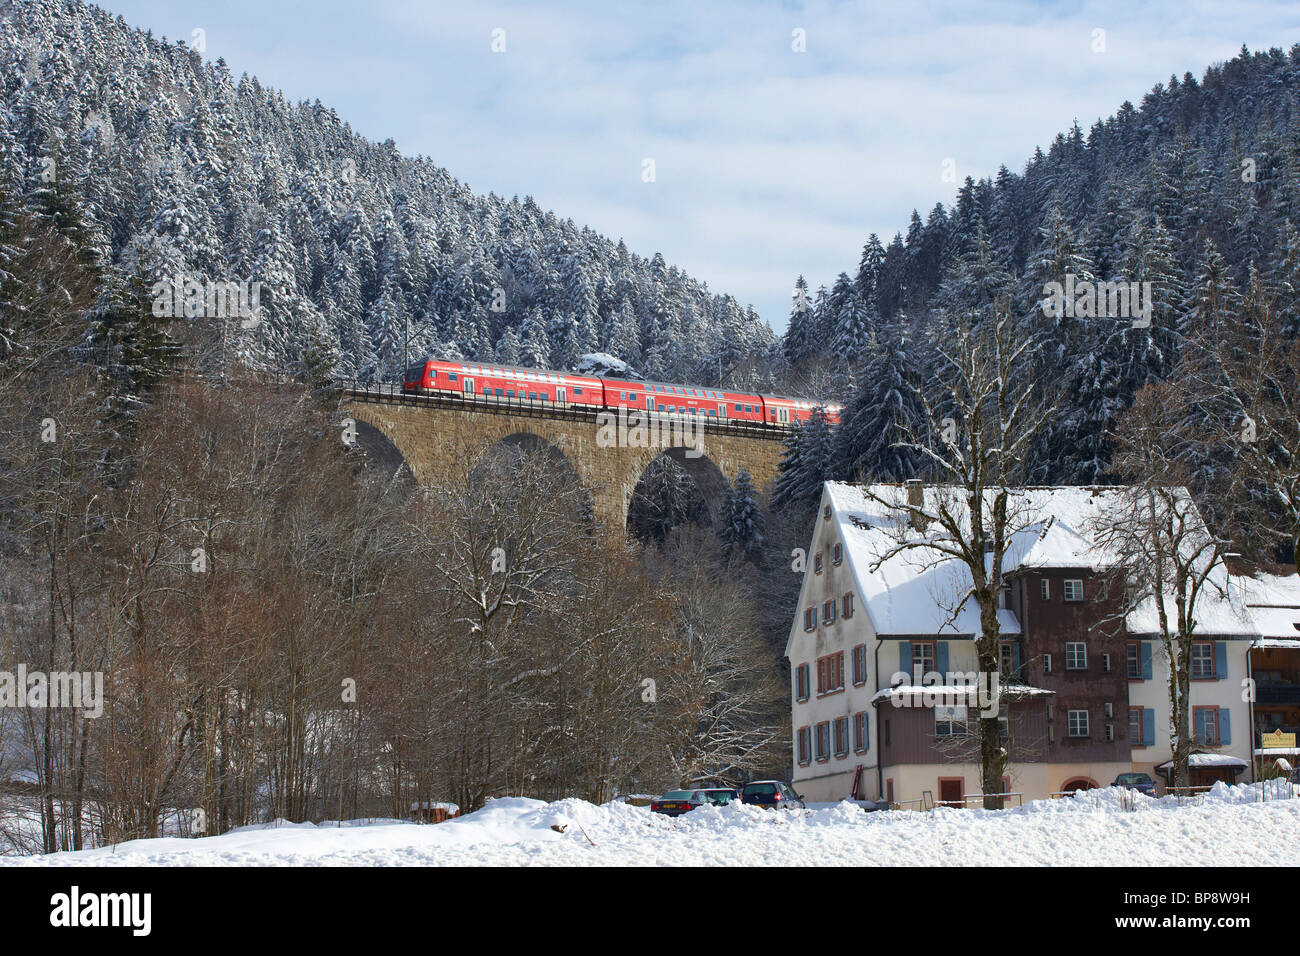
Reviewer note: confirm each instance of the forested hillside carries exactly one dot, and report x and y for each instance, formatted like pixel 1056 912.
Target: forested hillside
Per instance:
pixel 166 166
pixel 1192 191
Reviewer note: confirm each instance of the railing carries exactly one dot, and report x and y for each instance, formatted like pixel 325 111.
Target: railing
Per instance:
pixel 1277 693
pixel 926 801
pixel 389 394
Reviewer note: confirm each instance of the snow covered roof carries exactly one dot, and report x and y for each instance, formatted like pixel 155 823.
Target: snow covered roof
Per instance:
pixel 923 590
pixel 1273 602
pixel 1207 760
pixel 953 694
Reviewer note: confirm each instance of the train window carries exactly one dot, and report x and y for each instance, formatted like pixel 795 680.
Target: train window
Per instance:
pixel 498 393
pixel 712 413
pixel 532 396
pixel 740 408
pixel 510 393
pixel 577 390
pixel 451 376
pixel 487 389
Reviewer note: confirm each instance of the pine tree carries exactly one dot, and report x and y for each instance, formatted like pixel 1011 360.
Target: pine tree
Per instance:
pixel 741 530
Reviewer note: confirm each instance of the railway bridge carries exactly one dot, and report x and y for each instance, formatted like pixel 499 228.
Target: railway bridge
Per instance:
pixel 435 433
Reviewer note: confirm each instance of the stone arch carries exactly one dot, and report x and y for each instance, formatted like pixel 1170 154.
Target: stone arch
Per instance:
pixel 709 480
pixel 512 447
pixel 1078 783
pixel 382 454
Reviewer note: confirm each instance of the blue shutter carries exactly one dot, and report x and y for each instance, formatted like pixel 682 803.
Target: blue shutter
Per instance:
pixel 1220 660
pixel 1144 658
pixel 1198 728
pixel 1148 726
pixel 905 658
pixel 1225 726
pixel 941 657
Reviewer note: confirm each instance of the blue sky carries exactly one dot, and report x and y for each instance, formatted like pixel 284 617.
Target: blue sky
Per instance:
pixel 768 162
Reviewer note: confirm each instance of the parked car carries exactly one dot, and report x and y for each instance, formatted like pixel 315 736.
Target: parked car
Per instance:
pixel 1140 782
pixel 771 793
pixel 676 802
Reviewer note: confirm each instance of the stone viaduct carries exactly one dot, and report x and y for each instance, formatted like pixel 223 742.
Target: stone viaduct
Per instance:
pixel 431 433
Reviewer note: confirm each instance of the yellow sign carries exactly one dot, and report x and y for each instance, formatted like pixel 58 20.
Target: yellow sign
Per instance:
pixel 1277 739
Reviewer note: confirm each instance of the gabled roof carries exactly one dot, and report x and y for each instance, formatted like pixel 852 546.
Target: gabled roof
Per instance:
pixel 1273 602
pixel 923 591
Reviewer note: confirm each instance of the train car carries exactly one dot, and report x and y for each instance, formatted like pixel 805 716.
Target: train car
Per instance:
pixel 504 383
pixel 781 410
pixel 665 398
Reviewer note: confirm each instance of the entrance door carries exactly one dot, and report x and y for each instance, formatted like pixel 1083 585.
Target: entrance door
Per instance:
pixel 560 395
pixel 649 403
pixel 469 388
pixel 952 792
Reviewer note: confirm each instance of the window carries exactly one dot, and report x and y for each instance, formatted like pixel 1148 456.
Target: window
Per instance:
pixel 1105 663
pixel 817 563
pixel 828 611
pixel 1007 659
pixel 1110 733
pixel 837 553
pixel 1205 723
pixel 810 619
pixel 1074 589
pixel 1047 663
pixel 824 741
pixel 740 408
pixel 1077 723
pixel 848 604
pixel 826 512
pixel 841 736
pixel 1135 736
pixel 860 665
pixel 922 658
pixel 577 390
pixel 801 682
pixel 1045 588
pixel 861 731
pixel 451 376
pixel 949 720
pixel 805 745
pixel 1202 660
pixel 1076 656
pixel 830 673
pixel 1134 662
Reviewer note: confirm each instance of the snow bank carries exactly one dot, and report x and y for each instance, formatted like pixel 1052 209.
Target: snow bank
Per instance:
pixel 1097 828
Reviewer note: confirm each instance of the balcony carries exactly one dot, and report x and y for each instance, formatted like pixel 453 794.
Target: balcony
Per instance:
pixel 1274 694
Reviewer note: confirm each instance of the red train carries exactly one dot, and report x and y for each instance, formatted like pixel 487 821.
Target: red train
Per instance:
pixel 491 383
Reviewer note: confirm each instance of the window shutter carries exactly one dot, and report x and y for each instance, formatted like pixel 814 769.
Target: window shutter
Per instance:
pixel 905 657
pixel 1220 660
pixel 1148 726
pixel 1198 730
pixel 1015 658
pixel 941 657
pixel 1225 726
pixel 1144 657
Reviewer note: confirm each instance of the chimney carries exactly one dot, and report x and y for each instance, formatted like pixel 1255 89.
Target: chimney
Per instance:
pixel 915 499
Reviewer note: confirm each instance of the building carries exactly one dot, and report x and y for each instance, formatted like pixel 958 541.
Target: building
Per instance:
pixel 1273 601
pixel 1083 683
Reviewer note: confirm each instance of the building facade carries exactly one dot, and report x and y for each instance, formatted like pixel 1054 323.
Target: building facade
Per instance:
pixel 883 619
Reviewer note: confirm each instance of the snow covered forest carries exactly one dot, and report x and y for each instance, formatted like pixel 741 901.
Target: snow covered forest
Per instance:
pixel 180 169
pixel 1196 190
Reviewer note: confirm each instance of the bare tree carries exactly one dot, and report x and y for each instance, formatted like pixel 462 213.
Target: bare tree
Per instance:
pixel 980 421
pixel 1162 554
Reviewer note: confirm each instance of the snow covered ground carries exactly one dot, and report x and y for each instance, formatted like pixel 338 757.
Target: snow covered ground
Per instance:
pixel 1229 826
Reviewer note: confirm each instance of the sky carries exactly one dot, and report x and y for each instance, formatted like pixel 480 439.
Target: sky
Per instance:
pixel 748 141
